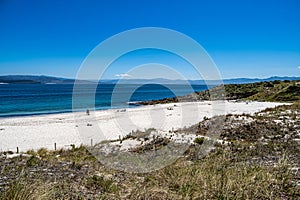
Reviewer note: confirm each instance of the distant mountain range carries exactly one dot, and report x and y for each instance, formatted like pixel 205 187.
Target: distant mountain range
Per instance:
pixel 199 82
pixel 30 79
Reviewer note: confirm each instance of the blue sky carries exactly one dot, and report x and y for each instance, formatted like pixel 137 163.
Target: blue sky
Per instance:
pixel 250 38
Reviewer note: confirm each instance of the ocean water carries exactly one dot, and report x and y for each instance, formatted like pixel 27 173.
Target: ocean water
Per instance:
pixel 33 99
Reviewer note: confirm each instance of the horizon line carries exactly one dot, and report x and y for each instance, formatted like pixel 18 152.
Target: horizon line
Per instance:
pixel 106 79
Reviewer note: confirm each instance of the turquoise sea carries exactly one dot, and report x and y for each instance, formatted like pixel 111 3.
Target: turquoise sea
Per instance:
pixel 33 99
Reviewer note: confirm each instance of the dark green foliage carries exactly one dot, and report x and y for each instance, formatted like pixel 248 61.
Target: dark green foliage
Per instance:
pixel 276 82
pixel 291 93
pixel 199 140
pixel 99 183
pixel 32 161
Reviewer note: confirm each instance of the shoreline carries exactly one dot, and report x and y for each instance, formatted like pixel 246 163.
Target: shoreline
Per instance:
pixel 42 131
pixel 62 112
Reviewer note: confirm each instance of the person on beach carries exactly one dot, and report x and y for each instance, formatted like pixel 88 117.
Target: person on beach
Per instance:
pixel 87 112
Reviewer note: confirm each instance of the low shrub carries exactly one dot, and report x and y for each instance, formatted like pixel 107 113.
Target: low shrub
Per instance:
pixel 199 140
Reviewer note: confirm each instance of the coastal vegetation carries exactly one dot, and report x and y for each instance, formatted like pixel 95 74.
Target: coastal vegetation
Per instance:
pixel 279 91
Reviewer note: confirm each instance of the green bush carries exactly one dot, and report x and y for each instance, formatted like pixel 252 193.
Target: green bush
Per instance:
pixel 199 140
pixel 32 161
pixel 99 182
pixel 43 152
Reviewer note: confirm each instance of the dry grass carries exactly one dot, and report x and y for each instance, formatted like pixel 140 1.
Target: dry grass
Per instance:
pixel 217 177
pixel 23 189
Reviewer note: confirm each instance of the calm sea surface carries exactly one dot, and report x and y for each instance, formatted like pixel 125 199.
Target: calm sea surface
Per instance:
pixel 32 99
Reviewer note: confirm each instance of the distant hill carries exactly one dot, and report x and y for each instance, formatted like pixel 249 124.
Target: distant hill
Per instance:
pixel 286 91
pixel 255 80
pixel 198 82
pixel 247 80
pixel 280 91
pixel 31 79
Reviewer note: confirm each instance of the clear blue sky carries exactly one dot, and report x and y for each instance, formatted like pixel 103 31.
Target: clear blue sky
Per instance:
pixel 249 38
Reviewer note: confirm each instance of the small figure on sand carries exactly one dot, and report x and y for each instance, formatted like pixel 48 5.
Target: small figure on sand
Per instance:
pixel 87 112
pixel 169 108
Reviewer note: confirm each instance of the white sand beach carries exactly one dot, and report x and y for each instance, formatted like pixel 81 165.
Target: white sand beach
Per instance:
pixel 34 132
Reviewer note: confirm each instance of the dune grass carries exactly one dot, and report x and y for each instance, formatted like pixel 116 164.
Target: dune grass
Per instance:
pixel 218 176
